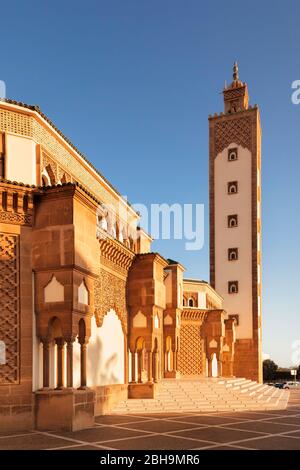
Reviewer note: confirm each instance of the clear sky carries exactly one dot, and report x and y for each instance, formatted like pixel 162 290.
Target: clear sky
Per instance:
pixel 131 83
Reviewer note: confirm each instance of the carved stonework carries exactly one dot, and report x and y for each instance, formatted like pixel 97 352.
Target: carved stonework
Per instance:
pixel 190 358
pixel 15 218
pixel 9 307
pixel 110 293
pixel 237 130
pixel 114 254
pixel 63 176
pixel 192 314
pixel 51 167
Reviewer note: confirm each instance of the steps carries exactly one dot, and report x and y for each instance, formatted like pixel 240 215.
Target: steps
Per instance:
pixel 207 395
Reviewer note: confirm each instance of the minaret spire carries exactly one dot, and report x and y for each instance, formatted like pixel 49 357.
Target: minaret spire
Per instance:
pixel 236 94
pixel 235 72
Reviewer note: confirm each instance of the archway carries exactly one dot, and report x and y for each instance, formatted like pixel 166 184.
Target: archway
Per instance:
pixel 105 352
pixel 56 360
pixel 168 354
pixel 214 366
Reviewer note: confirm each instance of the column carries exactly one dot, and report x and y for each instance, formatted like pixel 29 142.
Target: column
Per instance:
pixel 155 366
pixel 209 368
pixel 175 360
pixel 60 363
pixel 140 366
pixel 83 347
pixel 133 367
pixel 150 374
pixel 70 342
pixel 46 348
pixel 220 364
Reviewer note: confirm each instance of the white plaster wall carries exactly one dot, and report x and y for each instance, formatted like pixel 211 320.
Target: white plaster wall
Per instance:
pixel 54 291
pixel 202 300
pixel 20 161
pixel 241 270
pixel 105 352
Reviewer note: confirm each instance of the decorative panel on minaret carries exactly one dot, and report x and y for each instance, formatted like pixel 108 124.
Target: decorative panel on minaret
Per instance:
pixel 234 146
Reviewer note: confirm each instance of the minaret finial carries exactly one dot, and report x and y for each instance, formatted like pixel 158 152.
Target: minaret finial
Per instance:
pixel 235 72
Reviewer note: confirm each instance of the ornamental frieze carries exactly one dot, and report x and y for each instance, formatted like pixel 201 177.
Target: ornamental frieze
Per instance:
pixel 16 218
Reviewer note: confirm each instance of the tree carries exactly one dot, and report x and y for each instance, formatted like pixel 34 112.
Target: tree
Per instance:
pixel 269 370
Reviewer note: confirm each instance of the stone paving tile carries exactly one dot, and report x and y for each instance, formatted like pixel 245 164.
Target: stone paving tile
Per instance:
pixel 273 443
pixel 288 412
pixel 286 420
pixel 118 419
pixel 160 415
pixel 15 433
pixel 160 426
pixel 295 434
pixel 157 442
pixel 225 448
pixel 100 433
pixel 32 442
pixel 80 447
pixel 247 415
pixel 263 426
pixel 208 420
pixel 216 434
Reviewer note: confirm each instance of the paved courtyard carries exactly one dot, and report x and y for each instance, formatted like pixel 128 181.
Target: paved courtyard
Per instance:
pixel 185 431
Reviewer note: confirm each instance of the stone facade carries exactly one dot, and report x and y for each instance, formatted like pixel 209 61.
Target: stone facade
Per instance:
pixel 89 315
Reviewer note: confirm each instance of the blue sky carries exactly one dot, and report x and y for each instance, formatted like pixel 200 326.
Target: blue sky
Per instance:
pixel 131 83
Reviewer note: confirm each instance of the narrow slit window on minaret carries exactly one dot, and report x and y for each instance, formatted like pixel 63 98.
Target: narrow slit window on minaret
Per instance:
pixel 232 155
pixel 233 254
pixel 233 287
pixel 232 221
pixel 232 187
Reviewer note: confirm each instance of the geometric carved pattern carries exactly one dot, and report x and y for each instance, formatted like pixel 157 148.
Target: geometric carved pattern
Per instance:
pixel 15 122
pixel 190 314
pixel 233 93
pixel 15 218
pixel 190 358
pixel 110 292
pixel 114 254
pixel 233 130
pixel 9 307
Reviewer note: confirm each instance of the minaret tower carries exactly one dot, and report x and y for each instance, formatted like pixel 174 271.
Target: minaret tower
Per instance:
pixel 235 220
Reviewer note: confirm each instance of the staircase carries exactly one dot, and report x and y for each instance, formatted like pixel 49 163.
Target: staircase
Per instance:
pixel 207 395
